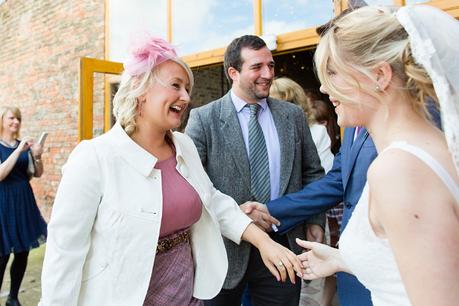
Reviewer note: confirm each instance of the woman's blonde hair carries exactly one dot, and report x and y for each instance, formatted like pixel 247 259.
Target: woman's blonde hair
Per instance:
pixel 359 42
pixel 288 90
pixel 131 87
pixel 15 111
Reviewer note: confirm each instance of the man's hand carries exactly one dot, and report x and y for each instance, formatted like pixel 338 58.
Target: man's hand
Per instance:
pixel 315 233
pixel 260 215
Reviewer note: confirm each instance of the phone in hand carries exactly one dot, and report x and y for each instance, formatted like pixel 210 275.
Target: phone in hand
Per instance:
pixel 42 138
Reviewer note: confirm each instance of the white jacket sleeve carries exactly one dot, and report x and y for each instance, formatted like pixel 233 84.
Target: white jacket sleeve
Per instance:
pixel 69 230
pixel 233 222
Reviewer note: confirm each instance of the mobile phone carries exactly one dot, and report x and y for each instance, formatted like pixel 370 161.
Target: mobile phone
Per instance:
pixel 42 138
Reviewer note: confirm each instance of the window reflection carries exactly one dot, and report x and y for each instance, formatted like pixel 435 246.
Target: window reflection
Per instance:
pixel 201 25
pixel 282 16
pixel 130 17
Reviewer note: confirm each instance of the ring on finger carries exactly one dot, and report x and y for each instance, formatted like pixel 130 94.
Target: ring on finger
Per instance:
pixel 280 264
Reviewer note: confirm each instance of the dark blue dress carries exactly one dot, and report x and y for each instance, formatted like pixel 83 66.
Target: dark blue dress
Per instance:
pixel 21 225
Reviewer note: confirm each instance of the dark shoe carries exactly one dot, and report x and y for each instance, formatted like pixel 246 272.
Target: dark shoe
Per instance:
pixel 12 302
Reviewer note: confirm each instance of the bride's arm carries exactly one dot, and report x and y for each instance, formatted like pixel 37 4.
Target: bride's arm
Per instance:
pixel 411 206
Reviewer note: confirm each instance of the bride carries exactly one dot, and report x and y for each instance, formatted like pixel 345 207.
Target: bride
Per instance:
pixel 378 66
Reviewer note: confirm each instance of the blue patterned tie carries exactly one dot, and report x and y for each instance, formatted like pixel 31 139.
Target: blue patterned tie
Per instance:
pixel 259 163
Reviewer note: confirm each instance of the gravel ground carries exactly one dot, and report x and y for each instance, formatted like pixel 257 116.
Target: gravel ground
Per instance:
pixel 29 294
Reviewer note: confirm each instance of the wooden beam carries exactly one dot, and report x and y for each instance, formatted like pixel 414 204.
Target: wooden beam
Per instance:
pixel 258 17
pixel 306 38
pixel 339 6
pixel 89 66
pixel 449 6
pixel 169 21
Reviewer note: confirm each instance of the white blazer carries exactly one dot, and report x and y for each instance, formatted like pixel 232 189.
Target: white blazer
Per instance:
pixel 106 219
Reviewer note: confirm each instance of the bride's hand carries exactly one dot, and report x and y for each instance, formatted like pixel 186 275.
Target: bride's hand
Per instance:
pixel 320 261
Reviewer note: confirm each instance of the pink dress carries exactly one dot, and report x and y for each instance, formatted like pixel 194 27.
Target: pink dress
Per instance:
pixel 172 278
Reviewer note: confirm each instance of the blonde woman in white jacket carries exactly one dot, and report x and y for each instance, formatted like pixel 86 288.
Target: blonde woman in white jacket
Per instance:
pixel 136 220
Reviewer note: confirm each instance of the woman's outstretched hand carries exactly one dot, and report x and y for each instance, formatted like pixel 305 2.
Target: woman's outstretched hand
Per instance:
pixel 320 261
pixel 280 261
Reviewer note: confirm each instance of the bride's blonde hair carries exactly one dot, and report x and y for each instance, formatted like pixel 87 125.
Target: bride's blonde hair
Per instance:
pixel 359 42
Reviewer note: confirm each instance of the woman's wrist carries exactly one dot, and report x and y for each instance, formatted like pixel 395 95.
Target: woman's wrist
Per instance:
pixel 339 263
pixel 261 238
pixel 254 235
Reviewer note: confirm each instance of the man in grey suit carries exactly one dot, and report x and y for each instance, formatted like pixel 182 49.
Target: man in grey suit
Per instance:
pixel 283 159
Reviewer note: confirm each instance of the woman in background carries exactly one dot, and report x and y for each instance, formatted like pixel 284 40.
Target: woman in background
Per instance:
pixel 22 227
pixel 288 90
pixel 324 113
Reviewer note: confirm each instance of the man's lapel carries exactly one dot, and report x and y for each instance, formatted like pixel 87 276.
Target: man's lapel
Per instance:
pixel 231 132
pixel 286 133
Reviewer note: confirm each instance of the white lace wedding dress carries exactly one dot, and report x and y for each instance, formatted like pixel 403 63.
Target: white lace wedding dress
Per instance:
pixel 369 257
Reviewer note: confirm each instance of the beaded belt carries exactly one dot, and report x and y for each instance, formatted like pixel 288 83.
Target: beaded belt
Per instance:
pixel 166 244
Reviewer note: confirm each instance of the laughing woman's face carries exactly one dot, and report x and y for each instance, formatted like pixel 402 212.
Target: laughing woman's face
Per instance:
pixel 167 99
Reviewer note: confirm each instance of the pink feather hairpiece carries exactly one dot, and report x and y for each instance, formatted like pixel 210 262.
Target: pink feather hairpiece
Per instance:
pixel 147 52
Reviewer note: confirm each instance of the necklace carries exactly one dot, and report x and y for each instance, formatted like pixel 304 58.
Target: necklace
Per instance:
pixel 13 144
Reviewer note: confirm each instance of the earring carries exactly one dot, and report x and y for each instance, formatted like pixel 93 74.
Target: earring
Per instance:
pixel 139 106
pixel 377 88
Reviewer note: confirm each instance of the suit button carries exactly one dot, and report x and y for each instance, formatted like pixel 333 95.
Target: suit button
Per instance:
pixel 348 205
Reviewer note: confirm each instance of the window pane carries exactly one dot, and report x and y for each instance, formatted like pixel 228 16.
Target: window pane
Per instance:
pixel 201 25
pixel 282 16
pixel 130 17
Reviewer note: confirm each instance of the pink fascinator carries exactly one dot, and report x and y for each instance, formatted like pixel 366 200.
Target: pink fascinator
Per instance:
pixel 147 52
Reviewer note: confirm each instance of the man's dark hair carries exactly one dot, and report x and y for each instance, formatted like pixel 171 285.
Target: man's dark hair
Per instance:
pixel 233 51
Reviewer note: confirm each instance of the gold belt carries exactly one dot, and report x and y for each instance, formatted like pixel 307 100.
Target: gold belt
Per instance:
pixel 166 244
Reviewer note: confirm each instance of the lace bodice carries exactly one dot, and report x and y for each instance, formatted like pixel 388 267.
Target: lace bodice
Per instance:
pixel 370 257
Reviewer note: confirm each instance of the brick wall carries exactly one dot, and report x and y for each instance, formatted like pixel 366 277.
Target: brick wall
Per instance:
pixel 210 84
pixel 41 44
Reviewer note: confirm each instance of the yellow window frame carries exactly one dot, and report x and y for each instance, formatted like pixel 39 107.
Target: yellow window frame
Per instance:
pixel 89 66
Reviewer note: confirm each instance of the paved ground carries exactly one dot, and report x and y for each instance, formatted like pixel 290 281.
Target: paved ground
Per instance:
pixel 29 294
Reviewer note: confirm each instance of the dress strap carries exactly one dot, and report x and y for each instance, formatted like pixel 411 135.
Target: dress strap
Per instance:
pixel 429 161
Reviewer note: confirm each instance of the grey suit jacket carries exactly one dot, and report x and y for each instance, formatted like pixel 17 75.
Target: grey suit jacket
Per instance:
pixel 217 134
